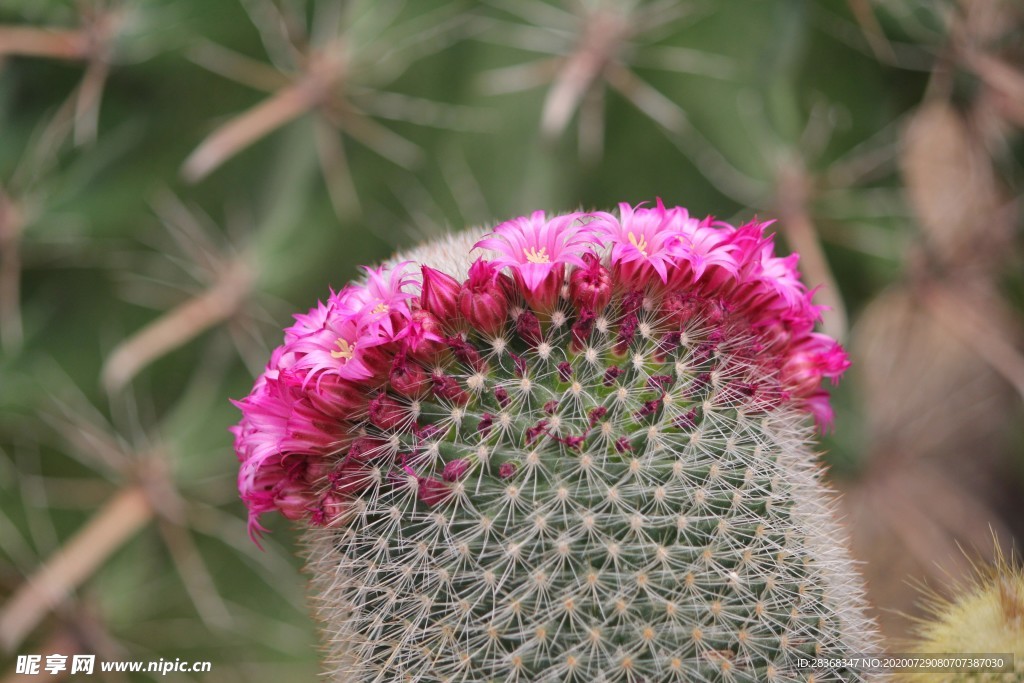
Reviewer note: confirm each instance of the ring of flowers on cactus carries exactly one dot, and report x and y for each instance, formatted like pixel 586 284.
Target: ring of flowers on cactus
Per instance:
pixel 412 378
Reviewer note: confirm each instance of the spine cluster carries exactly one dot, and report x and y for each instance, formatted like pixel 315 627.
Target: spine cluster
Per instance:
pixel 582 458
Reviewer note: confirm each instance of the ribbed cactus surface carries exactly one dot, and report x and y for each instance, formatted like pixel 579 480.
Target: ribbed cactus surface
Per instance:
pixel 583 459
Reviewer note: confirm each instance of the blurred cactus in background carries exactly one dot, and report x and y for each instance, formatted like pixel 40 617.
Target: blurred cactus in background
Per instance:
pixel 178 177
pixel 982 614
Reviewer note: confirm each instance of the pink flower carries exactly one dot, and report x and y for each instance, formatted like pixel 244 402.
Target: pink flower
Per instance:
pixel 781 275
pixel 701 246
pixel 537 250
pixel 644 239
pixel 340 346
pixel 322 422
pixel 384 306
pixel 819 406
pixel 306 323
pixel 817 358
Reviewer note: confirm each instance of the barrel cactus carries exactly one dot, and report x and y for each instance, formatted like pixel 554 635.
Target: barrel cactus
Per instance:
pixel 573 449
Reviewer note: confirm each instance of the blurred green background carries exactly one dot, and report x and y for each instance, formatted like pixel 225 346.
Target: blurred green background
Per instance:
pixel 178 177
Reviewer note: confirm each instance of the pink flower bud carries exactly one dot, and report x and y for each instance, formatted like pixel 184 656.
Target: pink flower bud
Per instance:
pixel 564 371
pixel 679 308
pixel 483 299
pixel 378 359
pixel 591 286
pixel 333 395
pixel 423 336
pixel 502 396
pixel 293 500
pixel 366 447
pixel 350 477
pixel 528 328
pixel 330 511
pixel 440 295
pixel 455 469
pixel 582 329
pixel 408 378
pixel 466 353
pixel 485 424
pixel 447 388
pixel 433 491
pixel 507 470
pixel 386 412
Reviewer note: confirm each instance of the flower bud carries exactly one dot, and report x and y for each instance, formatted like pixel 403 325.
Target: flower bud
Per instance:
pixel 329 511
pixel 423 336
pixel 292 499
pixel 679 308
pixel 582 329
pixel 445 387
pixel 386 412
pixel 440 295
pixel 483 299
pixel 528 328
pixel 378 359
pixel 367 447
pixel 455 469
pixel 466 353
pixel 590 287
pixel 432 491
pixel 407 378
pixel 350 477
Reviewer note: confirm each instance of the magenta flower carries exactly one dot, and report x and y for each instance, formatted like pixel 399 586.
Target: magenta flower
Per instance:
pixel 818 357
pixel 309 322
pixel 701 246
pixel 384 305
pixel 537 251
pixel 644 239
pixel 337 349
pixel 781 275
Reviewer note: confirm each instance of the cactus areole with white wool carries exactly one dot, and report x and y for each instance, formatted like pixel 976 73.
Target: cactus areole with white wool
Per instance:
pixel 572 449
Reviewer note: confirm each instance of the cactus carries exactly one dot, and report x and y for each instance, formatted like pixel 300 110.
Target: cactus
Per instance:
pixel 984 616
pixel 583 459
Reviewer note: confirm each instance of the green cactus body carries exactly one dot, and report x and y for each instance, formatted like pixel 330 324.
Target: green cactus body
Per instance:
pixel 659 521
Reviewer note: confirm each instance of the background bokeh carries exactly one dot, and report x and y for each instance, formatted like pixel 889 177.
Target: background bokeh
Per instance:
pixel 177 177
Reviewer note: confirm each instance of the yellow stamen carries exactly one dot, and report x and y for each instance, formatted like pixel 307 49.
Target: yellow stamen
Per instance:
pixel 347 351
pixel 381 308
pixel 641 245
pixel 534 255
